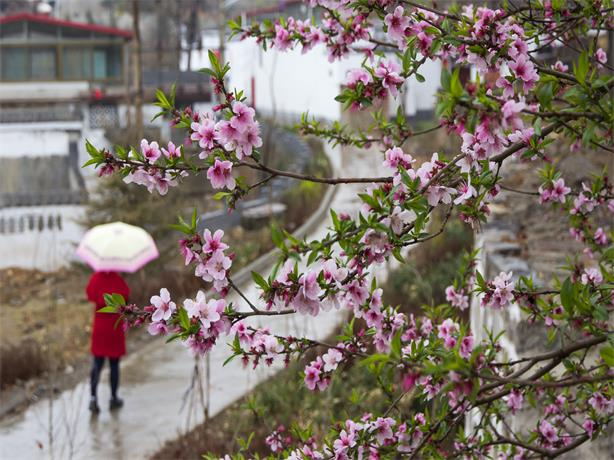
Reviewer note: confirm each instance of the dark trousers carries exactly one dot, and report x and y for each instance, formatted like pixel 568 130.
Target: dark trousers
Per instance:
pixel 95 375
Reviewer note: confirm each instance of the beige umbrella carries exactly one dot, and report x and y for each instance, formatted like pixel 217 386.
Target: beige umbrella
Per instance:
pixel 117 247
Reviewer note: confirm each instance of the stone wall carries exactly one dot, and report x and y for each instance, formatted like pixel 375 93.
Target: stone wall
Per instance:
pixel 530 239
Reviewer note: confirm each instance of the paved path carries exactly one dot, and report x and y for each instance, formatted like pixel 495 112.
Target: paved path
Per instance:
pixel 155 384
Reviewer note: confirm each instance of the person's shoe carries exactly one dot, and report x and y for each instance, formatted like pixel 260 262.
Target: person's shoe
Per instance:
pixel 116 403
pixel 94 409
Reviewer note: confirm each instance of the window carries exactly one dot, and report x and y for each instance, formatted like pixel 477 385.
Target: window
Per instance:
pixel 107 62
pixel 77 63
pixel 100 63
pixel 14 63
pixel 42 63
pixel 114 62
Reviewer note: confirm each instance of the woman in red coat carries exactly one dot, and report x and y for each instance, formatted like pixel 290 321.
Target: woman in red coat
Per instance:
pixel 108 340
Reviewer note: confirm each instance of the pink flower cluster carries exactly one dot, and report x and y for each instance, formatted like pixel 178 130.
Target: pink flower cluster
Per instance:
pixel 548 432
pixel 208 314
pixel 361 439
pixel 387 80
pixel 495 34
pixel 385 321
pixel 241 133
pixel 500 293
pixel 458 298
pixel 591 275
pixel 601 404
pixel 448 332
pixel 401 28
pixel 318 372
pixel 554 191
pixel 258 343
pixel 304 296
pixel 152 177
pixel 212 263
pixel 587 201
pixel 514 401
pixel 435 194
pixel 315 376
pixel 163 308
pixel 297 30
pixel 336 33
pixel 278 439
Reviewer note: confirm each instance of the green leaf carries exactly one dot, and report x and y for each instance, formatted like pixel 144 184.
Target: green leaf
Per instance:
pixel 90 162
pixel 173 93
pixel 537 127
pixel 373 359
pixel 93 151
pixel 207 71
pixel 118 299
pixel 335 218
pixel 220 195
pixel 214 62
pixel 277 236
pixel 114 300
pixel 395 346
pixel 567 296
pixel 456 88
pixel 107 309
pixel 480 281
pixel 181 228
pixel 230 358
pixel 173 337
pixel 260 281
pixel 607 354
pixel 194 219
pixel 396 252
pixel 184 320
pixel 581 69
pixel 446 79
pixel 163 100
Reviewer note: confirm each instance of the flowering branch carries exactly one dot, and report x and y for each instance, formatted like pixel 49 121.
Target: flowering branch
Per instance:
pixel 516 110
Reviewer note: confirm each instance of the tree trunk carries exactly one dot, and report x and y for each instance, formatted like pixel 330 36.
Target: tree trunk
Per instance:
pixel 138 70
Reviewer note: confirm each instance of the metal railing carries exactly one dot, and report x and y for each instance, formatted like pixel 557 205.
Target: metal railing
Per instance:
pixel 40 114
pixel 55 197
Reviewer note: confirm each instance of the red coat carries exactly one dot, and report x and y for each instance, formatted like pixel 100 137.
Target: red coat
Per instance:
pixel 108 339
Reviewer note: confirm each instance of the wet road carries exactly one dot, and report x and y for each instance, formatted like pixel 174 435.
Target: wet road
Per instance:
pixel 162 397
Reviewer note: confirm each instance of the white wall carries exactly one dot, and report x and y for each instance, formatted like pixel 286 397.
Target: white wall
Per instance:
pixel 48 249
pixel 290 83
pixel 422 96
pixel 32 142
pixel 28 91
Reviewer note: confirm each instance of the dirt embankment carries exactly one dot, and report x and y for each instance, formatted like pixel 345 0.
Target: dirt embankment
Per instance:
pixel 45 325
pixel 45 322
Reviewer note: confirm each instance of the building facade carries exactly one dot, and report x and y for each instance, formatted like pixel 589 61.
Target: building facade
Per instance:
pixel 61 82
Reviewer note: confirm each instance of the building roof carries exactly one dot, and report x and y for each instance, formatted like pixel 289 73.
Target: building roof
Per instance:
pixel 265 7
pixel 31 17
